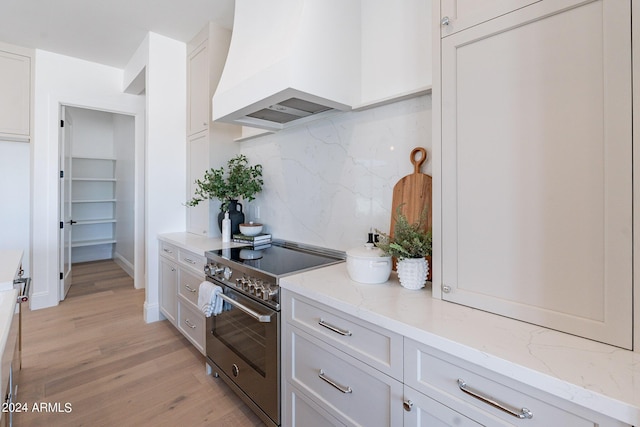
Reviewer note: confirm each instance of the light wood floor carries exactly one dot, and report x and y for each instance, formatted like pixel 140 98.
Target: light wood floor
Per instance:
pixel 95 352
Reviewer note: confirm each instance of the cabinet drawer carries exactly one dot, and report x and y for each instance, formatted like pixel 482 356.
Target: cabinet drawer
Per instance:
pixel 375 346
pixel 189 286
pixel 191 260
pixel 436 374
pixel 341 384
pixel 192 324
pixel 168 250
pixel 426 412
pixel 304 412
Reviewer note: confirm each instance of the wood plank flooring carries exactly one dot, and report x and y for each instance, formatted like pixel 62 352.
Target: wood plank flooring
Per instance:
pixel 95 352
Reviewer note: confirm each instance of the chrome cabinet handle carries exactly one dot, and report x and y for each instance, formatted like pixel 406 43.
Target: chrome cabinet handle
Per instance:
pixel 518 413
pixel 407 405
pixel 334 384
pixel 446 289
pixel 344 332
pixel 445 21
pixel 189 288
pixel 189 324
pixel 173 269
pixel 189 260
pixel 167 251
pixel 262 318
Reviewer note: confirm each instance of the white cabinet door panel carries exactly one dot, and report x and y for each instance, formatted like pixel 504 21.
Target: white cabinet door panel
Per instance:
pixel 466 13
pixel 15 87
pixel 536 160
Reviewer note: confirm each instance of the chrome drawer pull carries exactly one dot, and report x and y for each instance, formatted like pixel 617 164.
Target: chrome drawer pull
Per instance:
pixel 518 413
pixel 189 288
pixel 190 261
pixel 328 380
pixel 189 324
pixel 335 329
pixel 167 251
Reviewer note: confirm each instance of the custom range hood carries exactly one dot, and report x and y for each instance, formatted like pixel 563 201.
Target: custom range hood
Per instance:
pixel 289 61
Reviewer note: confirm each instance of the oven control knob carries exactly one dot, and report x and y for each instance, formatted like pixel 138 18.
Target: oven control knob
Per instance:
pixel 239 281
pixel 207 268
pixel 227 273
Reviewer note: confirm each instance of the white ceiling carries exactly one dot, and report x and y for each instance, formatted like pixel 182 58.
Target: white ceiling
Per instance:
pixel 105 31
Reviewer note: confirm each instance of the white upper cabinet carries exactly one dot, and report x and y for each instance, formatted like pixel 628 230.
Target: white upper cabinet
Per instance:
pixel 537 167
pixel 198 89
pixel 457 15
pixel 396 51
pixel 15 89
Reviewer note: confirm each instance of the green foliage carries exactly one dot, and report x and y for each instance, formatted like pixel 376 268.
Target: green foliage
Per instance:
pixel 409 240
pixel 241 181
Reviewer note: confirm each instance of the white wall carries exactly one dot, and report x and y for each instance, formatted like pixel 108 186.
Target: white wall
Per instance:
pixel 328 182
pixel 63 80
pixel 124 146
pixel 165 151
pixel 14 198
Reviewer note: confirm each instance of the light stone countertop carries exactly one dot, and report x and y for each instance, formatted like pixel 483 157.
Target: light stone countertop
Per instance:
pixel 196 243
pixel 10 261
pixel 593 375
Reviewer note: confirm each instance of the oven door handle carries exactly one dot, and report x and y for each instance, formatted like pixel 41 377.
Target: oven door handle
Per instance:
pixel 262 318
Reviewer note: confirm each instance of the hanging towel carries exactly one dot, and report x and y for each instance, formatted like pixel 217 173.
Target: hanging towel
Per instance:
pixel 208 300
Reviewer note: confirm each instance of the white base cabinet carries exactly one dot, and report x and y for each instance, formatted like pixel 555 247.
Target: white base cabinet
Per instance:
pixel 181 272
pixel 339 370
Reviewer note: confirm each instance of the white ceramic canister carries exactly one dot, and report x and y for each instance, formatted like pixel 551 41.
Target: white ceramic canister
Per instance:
pixel 368 264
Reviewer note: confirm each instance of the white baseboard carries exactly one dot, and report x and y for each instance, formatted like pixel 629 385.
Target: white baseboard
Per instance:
pixel 124 264
pixel 152 313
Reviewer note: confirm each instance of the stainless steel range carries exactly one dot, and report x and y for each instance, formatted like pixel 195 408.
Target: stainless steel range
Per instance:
pixel 243 341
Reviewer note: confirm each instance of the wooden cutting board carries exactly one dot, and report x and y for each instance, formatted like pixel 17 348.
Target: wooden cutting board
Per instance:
pixel 414 193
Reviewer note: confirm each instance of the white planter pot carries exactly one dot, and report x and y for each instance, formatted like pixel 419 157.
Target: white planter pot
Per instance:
pixel 412 272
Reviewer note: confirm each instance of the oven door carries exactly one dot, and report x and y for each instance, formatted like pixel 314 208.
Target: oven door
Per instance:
pixel 243 342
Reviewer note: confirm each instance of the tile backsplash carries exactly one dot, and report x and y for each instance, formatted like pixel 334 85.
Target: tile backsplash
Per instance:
pixel 328 182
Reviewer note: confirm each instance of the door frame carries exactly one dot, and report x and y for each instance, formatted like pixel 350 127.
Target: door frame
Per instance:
pixel 139 183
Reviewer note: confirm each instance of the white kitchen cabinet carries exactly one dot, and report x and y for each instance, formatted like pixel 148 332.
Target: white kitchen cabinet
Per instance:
pixel 438 375
pixel 93 200
pixel 536 166
pixel 208 144
pixel 456 15
pixel 16 76
pixel 168 288
pixel 181 272
pixel 423 411
pixel 395 45
pixel 198 217
pixel 198 89
pixel 319 367
pixel 304 412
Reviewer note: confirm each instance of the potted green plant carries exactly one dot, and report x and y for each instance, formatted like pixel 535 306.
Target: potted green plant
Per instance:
pixel 240 180
pixel 410 244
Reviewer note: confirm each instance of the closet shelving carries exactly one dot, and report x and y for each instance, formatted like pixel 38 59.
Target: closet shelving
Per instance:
pixel 93 201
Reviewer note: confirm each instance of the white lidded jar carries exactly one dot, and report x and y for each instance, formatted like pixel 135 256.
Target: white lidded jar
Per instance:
pixel 368 264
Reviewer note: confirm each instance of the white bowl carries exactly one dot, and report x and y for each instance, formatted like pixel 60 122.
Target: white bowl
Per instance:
pixel 251 229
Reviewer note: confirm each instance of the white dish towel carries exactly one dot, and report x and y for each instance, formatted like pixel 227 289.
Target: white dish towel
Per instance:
pixel 208 300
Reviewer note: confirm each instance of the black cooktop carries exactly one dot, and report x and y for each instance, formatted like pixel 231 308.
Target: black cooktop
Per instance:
pixel 280 258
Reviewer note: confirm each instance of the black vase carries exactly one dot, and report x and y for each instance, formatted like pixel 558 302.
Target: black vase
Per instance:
pixel 235 215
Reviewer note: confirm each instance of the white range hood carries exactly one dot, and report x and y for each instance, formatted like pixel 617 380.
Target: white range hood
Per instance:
pixel 290 61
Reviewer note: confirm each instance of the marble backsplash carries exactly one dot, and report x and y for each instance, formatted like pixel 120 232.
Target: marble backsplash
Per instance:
pixel 328 182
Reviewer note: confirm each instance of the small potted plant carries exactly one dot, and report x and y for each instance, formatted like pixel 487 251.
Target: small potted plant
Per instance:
pixel 410 244
pixel 239 181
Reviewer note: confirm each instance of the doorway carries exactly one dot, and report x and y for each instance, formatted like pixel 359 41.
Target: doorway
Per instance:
pixel 97 188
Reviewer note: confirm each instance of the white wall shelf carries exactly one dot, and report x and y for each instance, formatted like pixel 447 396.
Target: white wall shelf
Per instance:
pixel 93 202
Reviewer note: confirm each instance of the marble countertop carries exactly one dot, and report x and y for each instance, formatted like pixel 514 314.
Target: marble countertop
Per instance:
pixel 10 261
pixel 196 243
pixel 596 376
